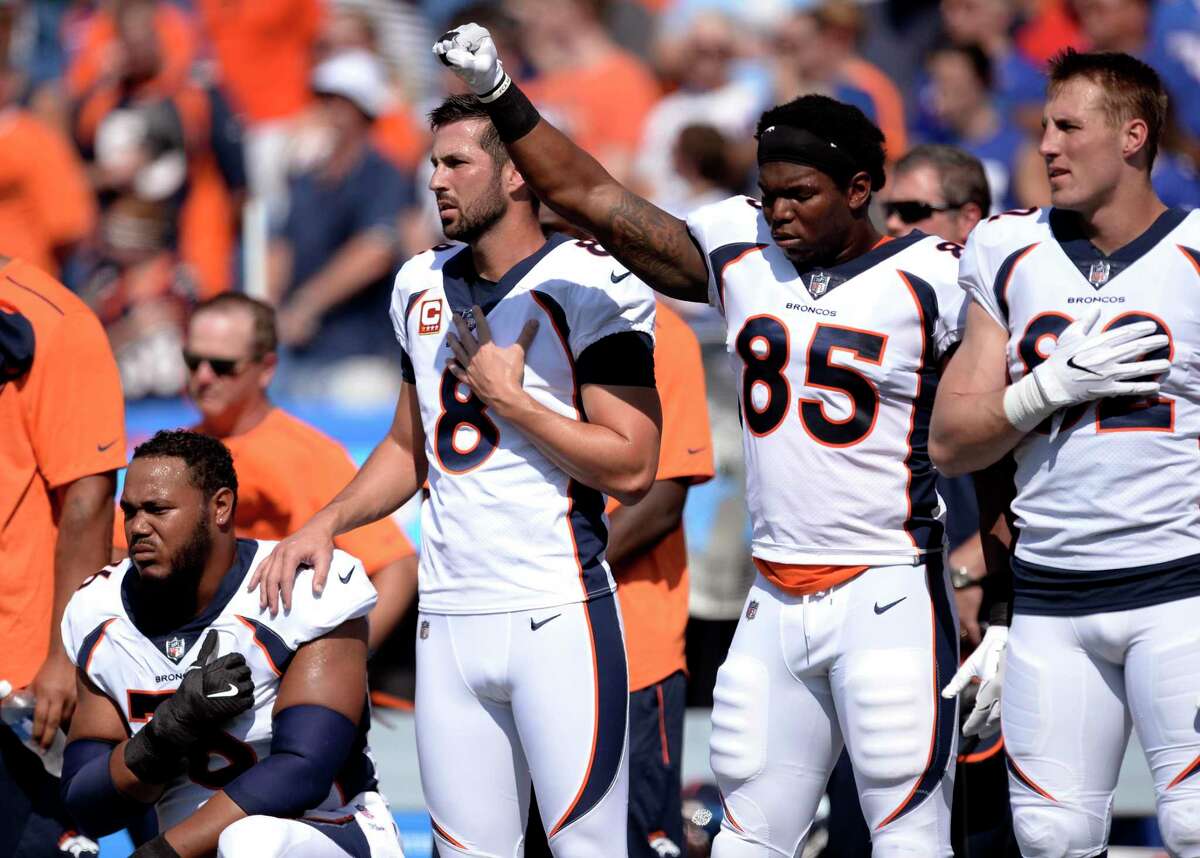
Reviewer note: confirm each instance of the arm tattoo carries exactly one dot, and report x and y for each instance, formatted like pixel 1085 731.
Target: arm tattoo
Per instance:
pixel 656 246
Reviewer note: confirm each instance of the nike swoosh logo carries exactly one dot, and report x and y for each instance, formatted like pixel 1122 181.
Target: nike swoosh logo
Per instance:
pixel 535 626
pixel 346 579
pixel 1071 363
pixel 614 278
pixel 228 692
pixel 100 448
pixel 694 450
pixel 889 605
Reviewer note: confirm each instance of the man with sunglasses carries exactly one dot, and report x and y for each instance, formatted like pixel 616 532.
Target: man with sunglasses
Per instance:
pixel 286 469
pixel 940 190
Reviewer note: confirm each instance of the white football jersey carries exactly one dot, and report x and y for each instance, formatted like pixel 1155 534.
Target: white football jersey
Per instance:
pixel 1115 493
pixel 137 672
pixel 504 528
pixel 838 369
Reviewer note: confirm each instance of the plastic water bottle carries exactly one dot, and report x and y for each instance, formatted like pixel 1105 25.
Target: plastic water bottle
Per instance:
pixel 16 710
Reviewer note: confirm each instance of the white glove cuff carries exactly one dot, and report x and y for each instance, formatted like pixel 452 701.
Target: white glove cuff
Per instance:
pixel 1025 404
pixel 498 88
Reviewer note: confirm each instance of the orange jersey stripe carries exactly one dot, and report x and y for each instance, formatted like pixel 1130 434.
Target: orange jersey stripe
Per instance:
pixel 805 579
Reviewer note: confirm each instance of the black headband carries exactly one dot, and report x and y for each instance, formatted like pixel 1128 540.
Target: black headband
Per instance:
pixel 800 146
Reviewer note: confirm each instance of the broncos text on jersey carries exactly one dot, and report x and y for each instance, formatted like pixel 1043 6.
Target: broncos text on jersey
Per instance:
pixel 504 528
pixel 838 368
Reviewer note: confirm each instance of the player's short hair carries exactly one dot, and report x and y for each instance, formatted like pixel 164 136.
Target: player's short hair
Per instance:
pixel 266 338
pixel 1132 89
pixel 457 108
pixel 209 463
pixel 977 58
pixel 960 174
pixel 842 125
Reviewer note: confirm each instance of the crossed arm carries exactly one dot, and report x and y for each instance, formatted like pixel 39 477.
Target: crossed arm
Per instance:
pixel 329 673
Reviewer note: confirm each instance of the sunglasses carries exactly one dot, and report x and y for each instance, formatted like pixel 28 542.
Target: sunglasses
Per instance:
pixel 911 211
pixel 219 366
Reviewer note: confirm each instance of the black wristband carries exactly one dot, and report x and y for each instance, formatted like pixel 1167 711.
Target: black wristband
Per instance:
pixel 511 112
pixel 153 758
pixel 1000 614
pixel 156 848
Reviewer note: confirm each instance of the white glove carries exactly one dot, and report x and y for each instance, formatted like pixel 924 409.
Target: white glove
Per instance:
pixel 1086 365
pixel 986 663
pixel 471 54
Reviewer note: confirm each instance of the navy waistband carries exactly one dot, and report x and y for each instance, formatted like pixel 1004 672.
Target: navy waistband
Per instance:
pixel 1049 591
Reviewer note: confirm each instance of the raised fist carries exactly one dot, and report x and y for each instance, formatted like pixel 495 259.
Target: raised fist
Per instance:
pixel 470 52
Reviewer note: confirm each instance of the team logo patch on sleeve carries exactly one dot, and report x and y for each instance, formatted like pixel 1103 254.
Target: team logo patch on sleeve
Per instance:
pixel 430 318
pixel 174 648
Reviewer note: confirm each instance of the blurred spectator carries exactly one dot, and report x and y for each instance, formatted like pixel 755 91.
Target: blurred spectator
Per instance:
pixel 702 159
pixel 816 51
pixel 940 190
pixel 1050 27
pixel 62 421
pixel 708 94
pixel 1176 174
pixel 352 26
pixel 588 86
pixel 142 75
pixel 287 470
pixel 1018 87
pixel 263 52
pixel 962 102
pixel 47 206
pixel 332 257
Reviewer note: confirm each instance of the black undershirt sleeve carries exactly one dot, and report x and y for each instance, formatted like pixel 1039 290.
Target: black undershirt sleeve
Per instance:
pixel 625 360
pixel 407 372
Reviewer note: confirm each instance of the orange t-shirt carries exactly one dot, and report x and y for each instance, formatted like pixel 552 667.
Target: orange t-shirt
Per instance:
pixel 61 421
pixel 602 107
pixel 264 50
pixel 653 588
pixel 177 48
pixel 287 470
pixel 46 200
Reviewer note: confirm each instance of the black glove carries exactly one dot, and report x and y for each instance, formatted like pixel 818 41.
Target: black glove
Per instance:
pixel 213 691
pixel 156 848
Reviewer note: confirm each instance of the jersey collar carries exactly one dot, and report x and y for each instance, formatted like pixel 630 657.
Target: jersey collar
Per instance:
pixel 1099 268
pixel 836 275
pixel 464 287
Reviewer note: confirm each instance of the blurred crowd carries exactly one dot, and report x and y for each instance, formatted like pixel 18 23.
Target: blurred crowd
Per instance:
pixel 158 152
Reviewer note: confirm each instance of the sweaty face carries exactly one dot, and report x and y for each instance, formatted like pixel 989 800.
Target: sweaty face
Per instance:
pixel 808 214
pixel 166 521
pixel 466 182
pixel 921 185
pixel 1081 148
pixel 222 337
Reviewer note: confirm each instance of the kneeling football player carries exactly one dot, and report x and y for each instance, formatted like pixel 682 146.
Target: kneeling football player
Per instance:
pixel 239 731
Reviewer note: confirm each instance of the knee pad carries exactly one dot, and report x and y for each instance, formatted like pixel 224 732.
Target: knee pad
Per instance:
pixel 741 699
pixel 1057 831
pixel 1179 822
pixel 260 836
pixel 889 720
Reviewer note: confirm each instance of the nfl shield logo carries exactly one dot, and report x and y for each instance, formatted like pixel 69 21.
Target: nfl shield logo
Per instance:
pixel 424 629
pixel 752 610
pixel 174 648
pixel 1098 274
pixel 468 316
pixel 818 283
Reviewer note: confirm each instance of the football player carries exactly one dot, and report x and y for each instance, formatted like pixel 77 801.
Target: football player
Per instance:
pixel 243 733
pixel 1088 307
pixel 529 395
pixel 836 334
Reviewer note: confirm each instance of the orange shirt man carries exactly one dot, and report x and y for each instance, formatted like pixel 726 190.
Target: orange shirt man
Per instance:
pixel 287 470
pixel 649 560
pixel 62 421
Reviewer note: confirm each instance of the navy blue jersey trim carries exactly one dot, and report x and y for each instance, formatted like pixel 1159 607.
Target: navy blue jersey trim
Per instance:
pixel 590 536
pixel 922 525
pixel 1192 254
pixel 192 629
pixel 945 722
pixel 345 833
pixel 558 318
pixel 851 268
pixel 277 652
pixel 412 301
pixel 464 287
pixel 84 655
pixel 1004 274
pixel 1050 592
pixel 1067 229
pixel 723 257
pixel 612 709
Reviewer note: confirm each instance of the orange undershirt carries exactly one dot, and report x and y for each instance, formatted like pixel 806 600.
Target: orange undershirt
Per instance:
pixel 803 579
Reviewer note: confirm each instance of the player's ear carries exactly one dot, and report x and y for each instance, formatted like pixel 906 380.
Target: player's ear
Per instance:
pixel 858 191
pixel 512 181
pixel 221 508
pixel 1135 134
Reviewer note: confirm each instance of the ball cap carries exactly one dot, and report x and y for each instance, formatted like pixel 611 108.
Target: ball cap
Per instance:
pixel 357 76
